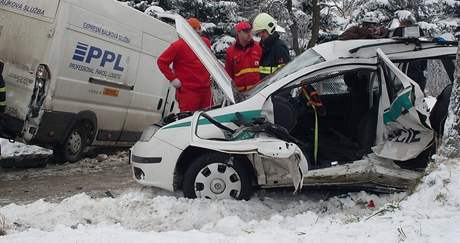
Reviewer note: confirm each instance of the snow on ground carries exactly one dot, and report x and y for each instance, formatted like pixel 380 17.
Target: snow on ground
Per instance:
pixel 144 212
pixel 15 149
pixel 431 214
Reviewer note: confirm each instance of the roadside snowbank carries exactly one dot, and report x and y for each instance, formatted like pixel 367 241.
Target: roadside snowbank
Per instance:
pixel 145 211
pixel 431 214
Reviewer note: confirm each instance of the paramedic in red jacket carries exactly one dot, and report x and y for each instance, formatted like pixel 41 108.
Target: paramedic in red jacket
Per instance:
pixel 242 61
pixel 188 75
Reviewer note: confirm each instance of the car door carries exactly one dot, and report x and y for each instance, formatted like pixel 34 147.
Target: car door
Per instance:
pixel 403 130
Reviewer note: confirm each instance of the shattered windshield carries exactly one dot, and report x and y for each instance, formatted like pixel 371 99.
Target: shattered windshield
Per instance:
pixel 306 59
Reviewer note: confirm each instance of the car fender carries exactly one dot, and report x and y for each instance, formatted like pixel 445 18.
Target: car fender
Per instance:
pixel 262 146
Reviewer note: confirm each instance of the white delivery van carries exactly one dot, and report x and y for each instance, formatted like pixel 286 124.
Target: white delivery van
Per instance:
pixel 81 73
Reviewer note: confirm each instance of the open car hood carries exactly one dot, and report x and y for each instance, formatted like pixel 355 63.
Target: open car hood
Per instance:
pixel 188 34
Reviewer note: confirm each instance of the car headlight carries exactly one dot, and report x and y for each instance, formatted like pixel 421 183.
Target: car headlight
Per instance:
pixel 148 133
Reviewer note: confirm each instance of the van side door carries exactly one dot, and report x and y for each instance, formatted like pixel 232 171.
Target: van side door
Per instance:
pixel 152 95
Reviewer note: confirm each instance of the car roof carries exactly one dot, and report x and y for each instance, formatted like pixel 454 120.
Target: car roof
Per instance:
pixel 365 48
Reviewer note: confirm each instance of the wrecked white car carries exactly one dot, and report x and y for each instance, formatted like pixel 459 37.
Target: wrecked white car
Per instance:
pixel 370 130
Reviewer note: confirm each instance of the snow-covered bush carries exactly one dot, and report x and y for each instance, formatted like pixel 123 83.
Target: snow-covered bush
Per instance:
pixel 435 17
pixel 221 44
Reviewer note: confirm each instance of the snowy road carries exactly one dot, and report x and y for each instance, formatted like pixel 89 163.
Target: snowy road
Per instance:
pixel 58 187
pixel 56 182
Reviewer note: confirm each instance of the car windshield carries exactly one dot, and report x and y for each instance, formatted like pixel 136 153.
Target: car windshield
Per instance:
pixel 306 59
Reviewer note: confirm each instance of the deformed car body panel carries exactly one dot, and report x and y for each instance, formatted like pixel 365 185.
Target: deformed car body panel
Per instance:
pixel 370 172
pixel 272 158
pixel 268 147
pixel 407 131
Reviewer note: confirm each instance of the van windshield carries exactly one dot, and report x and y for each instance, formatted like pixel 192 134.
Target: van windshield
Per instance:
pixel 306 59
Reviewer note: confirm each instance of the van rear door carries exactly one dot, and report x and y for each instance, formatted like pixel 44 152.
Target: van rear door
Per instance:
pixel 26 31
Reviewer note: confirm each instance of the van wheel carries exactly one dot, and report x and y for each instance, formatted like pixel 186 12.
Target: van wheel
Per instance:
pixel 217 176
pixel 74 146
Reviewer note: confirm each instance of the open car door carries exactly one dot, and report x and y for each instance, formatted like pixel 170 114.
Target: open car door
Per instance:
pixel 404 129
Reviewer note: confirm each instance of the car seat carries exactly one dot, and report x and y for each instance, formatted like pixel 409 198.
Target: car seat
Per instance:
pixel 284 112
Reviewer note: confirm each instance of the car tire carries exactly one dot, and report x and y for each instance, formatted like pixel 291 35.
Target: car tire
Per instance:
pixel 74 146
pixel 218 176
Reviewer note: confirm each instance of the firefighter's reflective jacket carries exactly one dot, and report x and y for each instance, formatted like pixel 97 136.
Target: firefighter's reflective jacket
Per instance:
pixel 275 55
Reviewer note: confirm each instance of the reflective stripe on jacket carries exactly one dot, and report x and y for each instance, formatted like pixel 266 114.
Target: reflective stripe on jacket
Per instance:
pixel 242 64
pixel 269 70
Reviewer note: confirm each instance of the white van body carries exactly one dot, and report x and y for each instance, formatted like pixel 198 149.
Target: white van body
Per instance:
pixel 101 58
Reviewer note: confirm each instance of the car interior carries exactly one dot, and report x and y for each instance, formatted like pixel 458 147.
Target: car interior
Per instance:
pixel 346 127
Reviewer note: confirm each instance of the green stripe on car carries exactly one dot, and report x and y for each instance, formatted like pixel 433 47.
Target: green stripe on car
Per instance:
pixel 222 119
pixel 402 103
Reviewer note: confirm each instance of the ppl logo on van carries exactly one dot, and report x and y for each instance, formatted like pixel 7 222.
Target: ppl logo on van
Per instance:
pixel 86 53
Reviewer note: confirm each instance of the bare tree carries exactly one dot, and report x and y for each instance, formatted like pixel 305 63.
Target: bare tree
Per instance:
pixel 316 18
pixel 451 142
pixel 294 28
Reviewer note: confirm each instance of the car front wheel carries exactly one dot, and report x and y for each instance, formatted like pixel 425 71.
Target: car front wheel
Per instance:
pixel 217 176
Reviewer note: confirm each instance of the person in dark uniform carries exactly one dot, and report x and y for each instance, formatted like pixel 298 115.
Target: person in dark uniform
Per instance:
pixel 275 52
